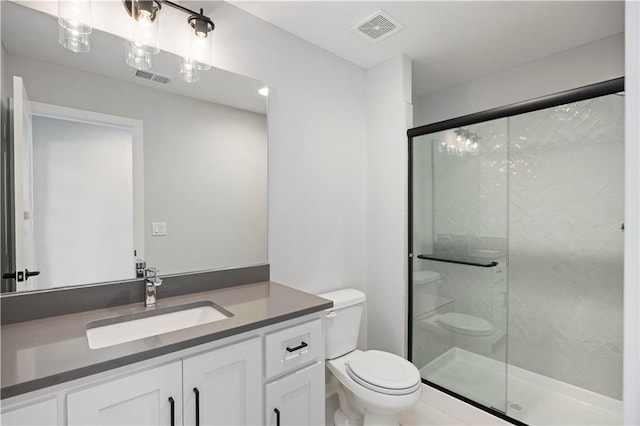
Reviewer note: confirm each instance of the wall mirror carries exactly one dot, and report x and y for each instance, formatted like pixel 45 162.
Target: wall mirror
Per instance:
pixel 124 166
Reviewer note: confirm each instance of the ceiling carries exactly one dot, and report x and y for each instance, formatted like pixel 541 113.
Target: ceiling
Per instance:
pixel 450 42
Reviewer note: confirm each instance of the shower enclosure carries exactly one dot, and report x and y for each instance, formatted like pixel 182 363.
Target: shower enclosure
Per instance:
pixel 516 257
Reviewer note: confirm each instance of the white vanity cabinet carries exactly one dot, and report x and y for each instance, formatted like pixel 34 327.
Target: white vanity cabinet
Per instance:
pixel 217 383
pixel 297 397
pixel 152 397
pixel 222 387
pixel 44 413
pixel 218 387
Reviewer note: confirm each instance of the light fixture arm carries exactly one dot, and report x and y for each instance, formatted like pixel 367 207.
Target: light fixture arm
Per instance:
pixel 193 15
pixel 179 7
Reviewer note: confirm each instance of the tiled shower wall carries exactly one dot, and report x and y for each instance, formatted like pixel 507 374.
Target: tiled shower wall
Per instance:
pixel 563 204
pixel 566 209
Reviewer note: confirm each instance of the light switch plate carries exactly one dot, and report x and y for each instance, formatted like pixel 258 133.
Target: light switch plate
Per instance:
pixel 158 229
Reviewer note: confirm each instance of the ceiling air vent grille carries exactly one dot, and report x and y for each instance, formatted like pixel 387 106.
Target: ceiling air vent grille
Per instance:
pixel 377 27
pixel 161 79
pixel 158 78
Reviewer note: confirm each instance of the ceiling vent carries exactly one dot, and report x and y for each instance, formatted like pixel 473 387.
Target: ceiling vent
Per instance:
pixel 377 27
pixel 151 76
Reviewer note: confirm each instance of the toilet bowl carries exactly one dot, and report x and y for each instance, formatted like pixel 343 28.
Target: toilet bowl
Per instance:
pixel 425 277
pixel 374 386
pixel 463 323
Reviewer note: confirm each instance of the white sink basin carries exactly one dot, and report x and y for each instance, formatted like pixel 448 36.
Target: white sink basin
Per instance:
pixel 113 331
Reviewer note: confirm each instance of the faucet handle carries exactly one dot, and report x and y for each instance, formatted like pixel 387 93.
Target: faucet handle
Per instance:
pixel 151 275
pixel 151 272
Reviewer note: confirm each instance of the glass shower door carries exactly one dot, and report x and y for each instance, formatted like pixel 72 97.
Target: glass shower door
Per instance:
pixel 566 246
pixel 459 260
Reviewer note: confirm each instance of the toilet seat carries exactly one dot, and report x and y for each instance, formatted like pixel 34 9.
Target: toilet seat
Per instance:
pixel 464 323
pixel 384 373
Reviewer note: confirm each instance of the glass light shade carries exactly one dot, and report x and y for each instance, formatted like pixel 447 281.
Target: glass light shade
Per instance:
pixel 145 27
pixel 74 19
pixel 137 57
pixel 200 49
pixel 73 40
pixel 189 71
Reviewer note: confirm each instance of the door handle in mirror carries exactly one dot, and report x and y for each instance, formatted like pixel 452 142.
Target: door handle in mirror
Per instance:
pixel 9 276
pixel 28 273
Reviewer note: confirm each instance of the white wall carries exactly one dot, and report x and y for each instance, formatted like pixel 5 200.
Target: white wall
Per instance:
pixel 587 64
pixel 317 152
pixel 388 94
pixel 631 374
pixel 211 173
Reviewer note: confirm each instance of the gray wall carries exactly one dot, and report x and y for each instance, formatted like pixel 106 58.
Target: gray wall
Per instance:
pixel 205 166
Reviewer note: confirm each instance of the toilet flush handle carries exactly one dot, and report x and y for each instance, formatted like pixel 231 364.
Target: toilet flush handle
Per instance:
pixel 331 314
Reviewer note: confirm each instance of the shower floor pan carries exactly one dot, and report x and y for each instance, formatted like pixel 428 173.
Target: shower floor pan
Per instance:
pixel 532 398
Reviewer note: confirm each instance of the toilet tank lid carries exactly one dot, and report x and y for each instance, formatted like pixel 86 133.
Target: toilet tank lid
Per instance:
pixel 343 298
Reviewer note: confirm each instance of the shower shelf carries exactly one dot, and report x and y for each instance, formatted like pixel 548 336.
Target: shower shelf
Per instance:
pixel 460 260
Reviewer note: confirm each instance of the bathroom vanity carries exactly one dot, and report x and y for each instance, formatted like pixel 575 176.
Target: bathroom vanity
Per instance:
pixel 262 365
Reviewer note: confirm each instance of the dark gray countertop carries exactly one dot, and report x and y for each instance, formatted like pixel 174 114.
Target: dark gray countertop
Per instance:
pixel 45 352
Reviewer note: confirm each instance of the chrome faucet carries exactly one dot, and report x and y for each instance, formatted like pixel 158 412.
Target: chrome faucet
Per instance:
pixel 151 281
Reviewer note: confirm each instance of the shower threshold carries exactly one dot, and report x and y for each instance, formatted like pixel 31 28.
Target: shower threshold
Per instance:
pixel 532 398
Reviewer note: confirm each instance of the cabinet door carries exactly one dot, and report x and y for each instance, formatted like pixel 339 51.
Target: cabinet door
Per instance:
pixel 139 399
pixel 298 397
pixel 228 383
pixel 39 413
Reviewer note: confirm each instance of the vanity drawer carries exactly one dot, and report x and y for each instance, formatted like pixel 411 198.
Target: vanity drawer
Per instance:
pixel 293 347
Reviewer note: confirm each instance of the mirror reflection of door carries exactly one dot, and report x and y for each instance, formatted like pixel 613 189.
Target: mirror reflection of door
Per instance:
pixel 75 212
pixel 23 259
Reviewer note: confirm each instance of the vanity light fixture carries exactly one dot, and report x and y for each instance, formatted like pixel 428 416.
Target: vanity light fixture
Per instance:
pixel 200 41
pixel 74 19
pixel 75 26
pixel 145 24
pixel 199 55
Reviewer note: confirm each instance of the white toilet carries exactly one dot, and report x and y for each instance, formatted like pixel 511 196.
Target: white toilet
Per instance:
pixel 374 386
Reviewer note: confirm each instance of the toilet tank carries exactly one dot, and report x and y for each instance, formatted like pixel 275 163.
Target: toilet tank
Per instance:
pixel 342 322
